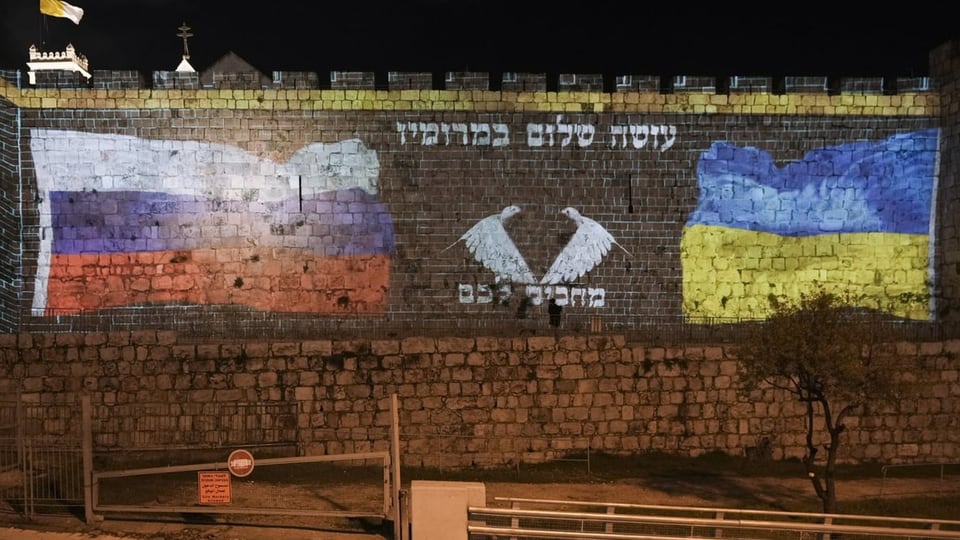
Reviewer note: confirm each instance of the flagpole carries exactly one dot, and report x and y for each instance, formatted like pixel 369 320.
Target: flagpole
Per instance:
pixel 41 23
pixel 56 8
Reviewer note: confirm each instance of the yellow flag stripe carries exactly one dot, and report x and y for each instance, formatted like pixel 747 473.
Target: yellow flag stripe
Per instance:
pixel 59 8
pixel 731 273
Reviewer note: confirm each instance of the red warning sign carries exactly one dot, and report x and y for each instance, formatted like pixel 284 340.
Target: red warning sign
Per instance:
pixel 214 487
pixel 240 463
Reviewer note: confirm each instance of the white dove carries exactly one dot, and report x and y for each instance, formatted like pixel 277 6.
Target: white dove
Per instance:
pixel 492 247
pixel 586 249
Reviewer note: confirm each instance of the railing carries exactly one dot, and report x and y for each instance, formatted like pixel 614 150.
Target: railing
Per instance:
pixel 546 518
pixel 204 322
pixel 168 426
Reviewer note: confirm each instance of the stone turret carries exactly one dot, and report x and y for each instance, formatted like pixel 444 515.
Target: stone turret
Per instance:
pixel 68 60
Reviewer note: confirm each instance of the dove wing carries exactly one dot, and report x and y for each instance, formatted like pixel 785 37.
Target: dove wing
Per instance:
pixel 585 250
pixel 492 247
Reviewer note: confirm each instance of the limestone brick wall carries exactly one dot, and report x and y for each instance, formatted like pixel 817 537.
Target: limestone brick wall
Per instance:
pixel 317 201
pixel 480 401
pixel 10 227
pixel 348 203
pixel 945 64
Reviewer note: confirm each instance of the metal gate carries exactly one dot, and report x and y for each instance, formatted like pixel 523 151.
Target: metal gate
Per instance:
pixel 41 459
pixel 179 489
pixel 46 467
pixel 255 493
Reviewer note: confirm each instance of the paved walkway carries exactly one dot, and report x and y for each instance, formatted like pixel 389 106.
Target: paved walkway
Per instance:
pixel 9 533
pixel 713 491
pixel 66 529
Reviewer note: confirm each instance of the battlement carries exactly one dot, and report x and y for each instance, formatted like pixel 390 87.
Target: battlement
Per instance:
pixel 67 61
pixel 455 80
pixel 67 55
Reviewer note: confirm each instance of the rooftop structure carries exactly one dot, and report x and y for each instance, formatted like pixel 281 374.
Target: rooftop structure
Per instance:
pixel 184 65
pixel 66 60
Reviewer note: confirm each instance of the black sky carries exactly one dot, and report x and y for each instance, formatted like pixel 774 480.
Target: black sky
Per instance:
pixel 597 36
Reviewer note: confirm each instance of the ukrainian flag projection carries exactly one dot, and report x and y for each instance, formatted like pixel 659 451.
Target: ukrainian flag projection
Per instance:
pixel 126 221
pixel 853 219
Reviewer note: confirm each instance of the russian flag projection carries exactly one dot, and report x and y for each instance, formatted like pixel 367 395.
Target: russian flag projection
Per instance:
pixel 853 219
pixel 127 221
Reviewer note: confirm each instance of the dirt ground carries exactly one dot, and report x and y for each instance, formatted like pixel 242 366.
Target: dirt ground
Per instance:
pixel 710 491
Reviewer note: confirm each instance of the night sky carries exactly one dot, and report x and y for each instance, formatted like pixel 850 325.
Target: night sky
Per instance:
pixel 598 36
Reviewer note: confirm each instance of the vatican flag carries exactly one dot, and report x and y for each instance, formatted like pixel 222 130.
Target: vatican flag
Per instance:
pixel 59 8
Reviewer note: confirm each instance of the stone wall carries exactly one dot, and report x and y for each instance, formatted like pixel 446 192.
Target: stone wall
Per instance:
pixel 230 209
pixel 10 224
pixel 479 401
pixel 346 204
pixel 945 64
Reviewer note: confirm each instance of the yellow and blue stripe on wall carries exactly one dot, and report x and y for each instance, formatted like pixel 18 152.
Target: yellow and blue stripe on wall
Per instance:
pixel 852 219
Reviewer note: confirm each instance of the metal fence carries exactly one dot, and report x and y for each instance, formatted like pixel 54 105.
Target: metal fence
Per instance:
pixel 41 444
pixel 536 518
pixel 229 322
pixel 41 459
pixel 171 426
pixel 46 469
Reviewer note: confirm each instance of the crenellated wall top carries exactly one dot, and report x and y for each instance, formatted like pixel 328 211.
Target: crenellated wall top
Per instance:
pixel 469 91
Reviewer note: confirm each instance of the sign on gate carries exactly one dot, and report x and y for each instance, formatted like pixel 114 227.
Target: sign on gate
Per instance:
pixel 214 487
pixel 240 463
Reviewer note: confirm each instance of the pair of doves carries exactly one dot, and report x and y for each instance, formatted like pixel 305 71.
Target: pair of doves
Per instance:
pixel 492 247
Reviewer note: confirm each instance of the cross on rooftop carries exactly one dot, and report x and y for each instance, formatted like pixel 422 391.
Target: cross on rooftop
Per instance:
pixel 185 33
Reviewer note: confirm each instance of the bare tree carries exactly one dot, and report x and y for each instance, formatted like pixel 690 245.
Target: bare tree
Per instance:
pixel 822 353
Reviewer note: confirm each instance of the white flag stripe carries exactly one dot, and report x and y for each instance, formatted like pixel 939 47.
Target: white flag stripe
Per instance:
pixel 72 12
pixel 59 8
